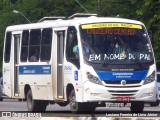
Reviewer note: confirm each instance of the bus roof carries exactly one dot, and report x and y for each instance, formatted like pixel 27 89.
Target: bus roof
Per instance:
pixel 70 22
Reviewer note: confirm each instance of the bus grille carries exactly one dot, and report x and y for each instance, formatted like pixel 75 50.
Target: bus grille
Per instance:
pixel 131 88
pixel 119 81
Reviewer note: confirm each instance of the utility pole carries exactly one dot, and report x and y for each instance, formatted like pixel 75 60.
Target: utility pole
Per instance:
pixel 99 7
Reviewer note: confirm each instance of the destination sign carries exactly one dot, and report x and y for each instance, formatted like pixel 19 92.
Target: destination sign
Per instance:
pixel 111 25
pixel 110 31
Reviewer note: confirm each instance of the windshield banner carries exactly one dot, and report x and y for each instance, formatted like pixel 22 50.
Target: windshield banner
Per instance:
pixel 133 75
pixel 122 56
pixel 111 25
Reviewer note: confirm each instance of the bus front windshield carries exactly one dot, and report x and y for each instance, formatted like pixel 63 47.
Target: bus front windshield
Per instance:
pixel 115 43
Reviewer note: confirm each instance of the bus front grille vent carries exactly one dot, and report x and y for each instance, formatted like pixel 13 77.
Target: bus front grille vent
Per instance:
pixel 119 81
pixel 123 93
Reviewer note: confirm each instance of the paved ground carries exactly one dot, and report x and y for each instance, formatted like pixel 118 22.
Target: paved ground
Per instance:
pixel 83 118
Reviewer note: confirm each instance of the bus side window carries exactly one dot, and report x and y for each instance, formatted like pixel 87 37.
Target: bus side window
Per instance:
pixel 46 43
pixel 24 46
pixel 34 46
pixel 72 42
pixel 7 47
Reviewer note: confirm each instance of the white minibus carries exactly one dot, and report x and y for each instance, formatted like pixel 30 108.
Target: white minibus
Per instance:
pixel 84 61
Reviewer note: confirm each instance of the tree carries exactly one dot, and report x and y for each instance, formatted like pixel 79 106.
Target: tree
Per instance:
pixel 147 11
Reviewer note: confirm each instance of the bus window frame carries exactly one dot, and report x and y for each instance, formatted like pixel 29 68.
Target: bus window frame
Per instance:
pixel 7 53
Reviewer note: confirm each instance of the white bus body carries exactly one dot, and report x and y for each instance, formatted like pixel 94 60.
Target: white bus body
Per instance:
pixel 98 75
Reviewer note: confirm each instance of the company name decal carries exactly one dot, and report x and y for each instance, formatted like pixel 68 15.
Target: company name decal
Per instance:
pixel 66 68
pixel 134 75
pixel 35 69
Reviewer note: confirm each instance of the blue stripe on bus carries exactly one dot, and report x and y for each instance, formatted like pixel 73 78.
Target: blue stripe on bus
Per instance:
pixel 133 75
pixel 158 75
pixel 34 69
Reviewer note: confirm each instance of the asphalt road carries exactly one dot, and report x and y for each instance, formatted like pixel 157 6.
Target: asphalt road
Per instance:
pixel 55 111
pixel 15 105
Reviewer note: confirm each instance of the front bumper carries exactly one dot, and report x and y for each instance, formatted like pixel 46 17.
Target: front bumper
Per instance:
pixel 99 93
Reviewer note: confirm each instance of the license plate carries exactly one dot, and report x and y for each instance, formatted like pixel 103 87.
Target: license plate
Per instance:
pixel 123 99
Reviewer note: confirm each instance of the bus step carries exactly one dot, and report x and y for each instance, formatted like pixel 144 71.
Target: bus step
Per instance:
pixel 59 100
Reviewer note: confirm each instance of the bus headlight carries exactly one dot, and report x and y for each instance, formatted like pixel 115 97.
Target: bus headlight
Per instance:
pixel 93 78
pixel 150 78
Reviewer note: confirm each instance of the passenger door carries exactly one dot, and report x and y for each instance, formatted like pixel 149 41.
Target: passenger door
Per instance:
pixel 11 64
pixel 16 38
pixel 7 64
pixel 60 55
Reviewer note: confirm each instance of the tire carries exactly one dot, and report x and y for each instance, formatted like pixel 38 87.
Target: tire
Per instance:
pixel 62 104
pixel 154 104
pixel 77 107
pixel 20 99
pixel 35 105
pixel 1 99
pixel 137 107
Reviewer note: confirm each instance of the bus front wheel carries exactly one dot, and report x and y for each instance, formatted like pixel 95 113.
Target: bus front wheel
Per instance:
pixel 35 105
pixel 77 107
